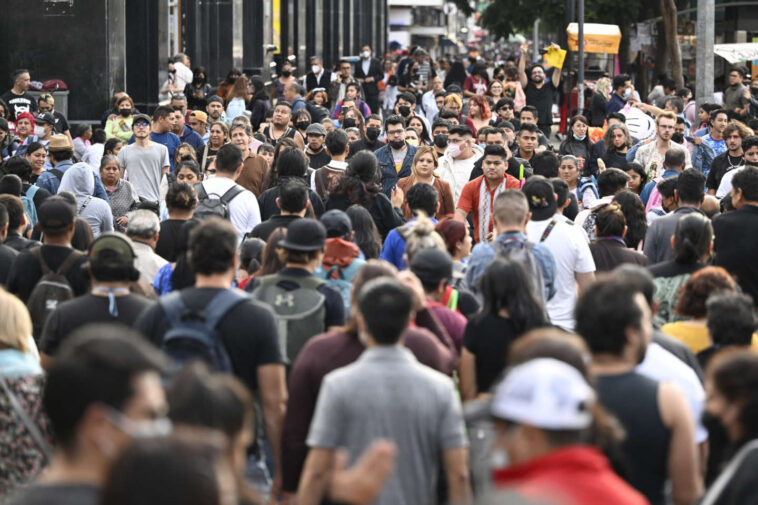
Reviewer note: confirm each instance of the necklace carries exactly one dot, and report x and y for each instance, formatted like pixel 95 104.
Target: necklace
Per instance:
pixel 740 162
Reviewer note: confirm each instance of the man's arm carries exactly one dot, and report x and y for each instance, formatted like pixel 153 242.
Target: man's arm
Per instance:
pixel 460 215
pixel 522 65
pixel 556 78
pixel 316 476
pixel 682 463
pixel 273 392
pixel 457 473
pixel 467 374
pixel 584 280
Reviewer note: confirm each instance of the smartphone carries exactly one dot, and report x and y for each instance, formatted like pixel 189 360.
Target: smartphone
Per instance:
pixel 689 139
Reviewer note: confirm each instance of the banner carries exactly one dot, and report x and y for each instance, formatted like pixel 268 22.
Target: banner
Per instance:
pixel 597 38
pixel 735 53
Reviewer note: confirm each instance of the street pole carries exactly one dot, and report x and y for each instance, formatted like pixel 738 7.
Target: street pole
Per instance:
pixel 580 69
pixel 536 41
pixel 706 12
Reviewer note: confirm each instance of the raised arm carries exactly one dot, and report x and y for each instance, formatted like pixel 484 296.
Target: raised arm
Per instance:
pixel 522 65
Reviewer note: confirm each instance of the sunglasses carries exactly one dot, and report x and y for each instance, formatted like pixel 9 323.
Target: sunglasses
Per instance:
pixel 507 107
pixel 142 123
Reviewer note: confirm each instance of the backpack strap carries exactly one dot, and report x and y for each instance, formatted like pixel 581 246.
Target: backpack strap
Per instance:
pixel 202 194
pixel 36 252
pixel 173 306
pixel 549 229
pixel 86 202
pixel 222 303
pixel 31 427
pixel 231 193
pixel 68 263
pixel 56 173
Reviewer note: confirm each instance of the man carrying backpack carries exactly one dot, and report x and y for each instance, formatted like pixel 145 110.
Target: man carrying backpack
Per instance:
pixel 342 257
pixel 221 325
pixel 51 273
pixel 304 304
pixel 511 215
pixel 221 197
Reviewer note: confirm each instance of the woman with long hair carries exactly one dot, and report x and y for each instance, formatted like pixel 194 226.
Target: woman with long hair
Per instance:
pixel 636 219
pixel 198 91
pixel 577 142
pixel 599 100
pixel 271 179
pixel 637 177
pixel 458 242
pixel 360 184
pixel 316 102
pixel 510 309
pixel 495 91
pixel 365 234
pixel 617 141
pixel 217 137
pixel 479 112
pixel 513 90
pixel 456 75
pixel 583 187
pixel 122 196
pixel 179 274
pixel 423 134
pixel 424 165
pixel 238 98
pixel 181 200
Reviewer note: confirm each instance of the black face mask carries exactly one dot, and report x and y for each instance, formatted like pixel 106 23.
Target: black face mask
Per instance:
pixel 440 140
pixel 348 123
pixel 372 133
pixel 125 112
pixel 678 138
pixel 711 423
pixel 754 91
pixel 404 110
pixel 397 144
pixel 302 125
pixel 286 73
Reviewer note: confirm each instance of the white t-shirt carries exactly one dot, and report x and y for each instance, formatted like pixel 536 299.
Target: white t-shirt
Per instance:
pixel 570 247
pixel 244 212
pixel 725 186
pixel 662 366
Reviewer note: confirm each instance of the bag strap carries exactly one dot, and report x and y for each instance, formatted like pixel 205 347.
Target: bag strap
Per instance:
pixel 231 194
pixel 205 157
pixel 222 303
pixel 57 173
pixel 320 181
pixel 173 306
pixel 86 202
pixel 202 194
pixel 36 252
pixel 549 229
pixel 69 262
pixel 28 423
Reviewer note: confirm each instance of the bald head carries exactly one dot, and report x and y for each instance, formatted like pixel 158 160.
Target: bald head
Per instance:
pixel 711 206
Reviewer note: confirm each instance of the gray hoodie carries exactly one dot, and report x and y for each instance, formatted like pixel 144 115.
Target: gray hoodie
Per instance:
pixel 80 180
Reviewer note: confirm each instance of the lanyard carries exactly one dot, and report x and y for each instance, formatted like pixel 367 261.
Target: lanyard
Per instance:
pixel 112 308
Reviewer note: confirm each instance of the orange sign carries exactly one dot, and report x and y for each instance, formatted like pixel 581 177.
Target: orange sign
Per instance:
pixel 597 38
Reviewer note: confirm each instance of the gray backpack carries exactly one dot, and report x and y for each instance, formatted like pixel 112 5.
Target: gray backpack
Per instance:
pixel 51 289
pixel 299 312
pixel 519 250
pixel 211 205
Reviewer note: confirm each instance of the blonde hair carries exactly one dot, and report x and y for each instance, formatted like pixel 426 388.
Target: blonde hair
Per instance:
pixel 602 86
pixel 667 114
pixel 422 150
pixel 449 99
pixel 15 323
pixel 422 236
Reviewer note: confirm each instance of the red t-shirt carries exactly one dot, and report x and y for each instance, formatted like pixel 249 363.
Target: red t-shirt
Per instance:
pixel 469 199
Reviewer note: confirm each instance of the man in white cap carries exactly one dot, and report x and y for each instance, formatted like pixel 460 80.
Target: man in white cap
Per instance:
pixel 543 420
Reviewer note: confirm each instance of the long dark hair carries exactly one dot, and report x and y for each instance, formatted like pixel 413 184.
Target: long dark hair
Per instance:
pixel 360 183
pixel 270 261
pixel 271 178
pixel 506 285
pixel 183 276
pixel 735 375
pixel 692 236
pixel 457 74
pixel 634 213
pixel 366 234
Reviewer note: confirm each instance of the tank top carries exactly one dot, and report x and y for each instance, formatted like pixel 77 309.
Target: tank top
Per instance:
pixel 633 399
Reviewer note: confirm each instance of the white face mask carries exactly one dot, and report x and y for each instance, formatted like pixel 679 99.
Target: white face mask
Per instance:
pixel 454 150
pixel 39 131
pixel 366 55
pixel 315 69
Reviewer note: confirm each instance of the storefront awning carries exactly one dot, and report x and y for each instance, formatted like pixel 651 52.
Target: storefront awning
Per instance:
pixel 734 53
pixel 597 38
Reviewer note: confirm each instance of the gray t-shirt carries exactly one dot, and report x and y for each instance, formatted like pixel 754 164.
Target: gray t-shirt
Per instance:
pixel 144 168
pixel 388 394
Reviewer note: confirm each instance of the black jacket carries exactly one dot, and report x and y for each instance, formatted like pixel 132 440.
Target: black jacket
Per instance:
pixel 736 240
pixel 311 82
pixel 370 89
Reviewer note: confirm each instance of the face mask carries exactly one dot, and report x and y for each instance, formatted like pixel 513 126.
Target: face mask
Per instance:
pixel 348 123
pixel 454 150
pixel 440 140
pixel 412 142
pixel 397 144
pixel 627 93
pixel 286 73
pixel 39 131
pixel 754 91
pixel 711 423
pixel 125 112
pixel 404 110
pixel 315 69
pixel 302 125
pixel 140 429
pixel 366 55
pixel 577 137
pixel 372 133
pixel 678 138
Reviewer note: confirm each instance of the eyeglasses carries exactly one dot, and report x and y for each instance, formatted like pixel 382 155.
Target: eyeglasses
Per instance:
pixel 142 123
pixel 345 68
pixel 393 133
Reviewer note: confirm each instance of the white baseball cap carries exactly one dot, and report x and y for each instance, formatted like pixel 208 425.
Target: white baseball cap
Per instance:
pixel 545 393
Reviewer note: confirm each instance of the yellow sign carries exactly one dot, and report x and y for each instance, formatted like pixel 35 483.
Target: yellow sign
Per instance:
pixel 276 17
pixel 597 38
pixel 554 57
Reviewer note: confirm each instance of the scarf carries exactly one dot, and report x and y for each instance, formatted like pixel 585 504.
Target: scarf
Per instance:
pixel 485 207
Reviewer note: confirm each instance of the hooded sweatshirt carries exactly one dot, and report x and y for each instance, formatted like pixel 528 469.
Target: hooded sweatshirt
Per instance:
pixel 79 179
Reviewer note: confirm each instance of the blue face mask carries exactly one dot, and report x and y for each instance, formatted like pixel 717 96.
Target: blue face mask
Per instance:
pixel 579 138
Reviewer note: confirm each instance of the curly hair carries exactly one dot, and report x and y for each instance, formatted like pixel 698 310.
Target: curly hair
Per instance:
pixel 636 219
pixel 702 284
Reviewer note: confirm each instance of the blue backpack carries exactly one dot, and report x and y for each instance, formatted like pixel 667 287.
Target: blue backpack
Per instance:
pixel 193 334
pixel 29 207
pixel 341 278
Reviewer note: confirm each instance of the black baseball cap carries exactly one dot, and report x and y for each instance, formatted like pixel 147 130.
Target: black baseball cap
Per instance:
pixel 304 235
pixel 216 98
pixel 55 214
pixel 44 118
pixel 337 223
pixel 541 197
pixel 432 265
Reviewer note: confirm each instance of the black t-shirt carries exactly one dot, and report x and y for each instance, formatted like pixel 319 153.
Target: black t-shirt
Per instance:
pixel 168 239
pixel 318 160
pixel 61 123
pixel 720 165
pixel 488 338
pixel 263 230
pixel 267 202
pixel 364 145
pixel 672 268
pixel 542 98
pixel 7 256
pixel 87 309
pixel 26 271
pixel 248 332
pixel 19 103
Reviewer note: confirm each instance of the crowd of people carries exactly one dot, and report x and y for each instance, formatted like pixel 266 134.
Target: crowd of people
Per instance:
pixel 388 282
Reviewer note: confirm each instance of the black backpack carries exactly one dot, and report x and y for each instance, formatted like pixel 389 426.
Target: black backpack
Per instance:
pixel 193 333
pixel 211 205
pixel 51 289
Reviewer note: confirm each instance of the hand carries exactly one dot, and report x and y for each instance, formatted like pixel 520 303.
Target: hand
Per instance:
pixel 525 46
pixel 697 141
pixel 397 197
pixel 409 280
pixel 490 236
pixel 539 149
pixel 746 94
pixel 362 483
pixel 112 117
pixel 122 221
pixel 369 79
pixel 600 165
